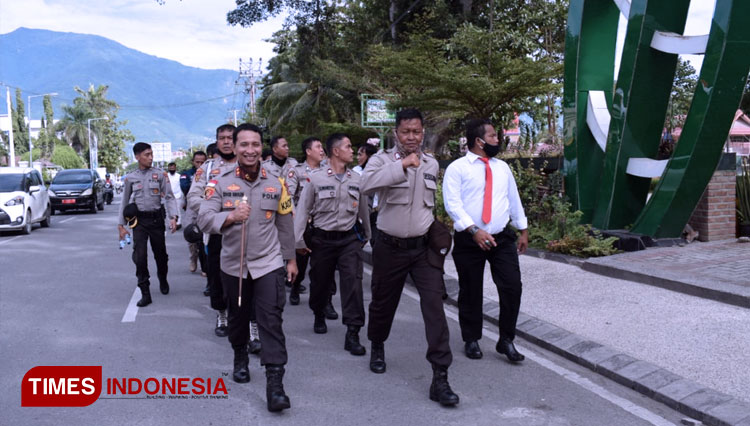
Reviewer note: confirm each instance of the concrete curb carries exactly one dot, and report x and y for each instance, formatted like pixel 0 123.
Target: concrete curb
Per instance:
pixel 683 395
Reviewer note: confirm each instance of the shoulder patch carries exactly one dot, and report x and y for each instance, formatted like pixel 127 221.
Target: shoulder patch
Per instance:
pixel 155 176
pixel 215 172
pixel 291 173
pixel 198 174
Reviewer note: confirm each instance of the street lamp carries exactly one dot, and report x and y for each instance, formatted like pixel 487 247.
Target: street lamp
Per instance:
pixel 93 148
pixel 29 102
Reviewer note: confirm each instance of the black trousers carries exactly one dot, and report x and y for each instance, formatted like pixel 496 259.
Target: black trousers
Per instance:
pixel 202 256
pixel 302 260
pixel 391 265
pixel 345 255
pixel 213 273
pixel 149 228
pixel 266 295
pixel 506 274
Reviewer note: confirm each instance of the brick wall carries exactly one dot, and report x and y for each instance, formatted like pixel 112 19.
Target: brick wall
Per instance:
pixel 715 216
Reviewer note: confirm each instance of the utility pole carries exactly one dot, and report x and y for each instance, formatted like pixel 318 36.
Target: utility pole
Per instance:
pixel 235 111
pixel 248 78
pixel 10 130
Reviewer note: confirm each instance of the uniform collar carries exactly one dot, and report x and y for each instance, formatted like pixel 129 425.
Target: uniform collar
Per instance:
pixel 474 157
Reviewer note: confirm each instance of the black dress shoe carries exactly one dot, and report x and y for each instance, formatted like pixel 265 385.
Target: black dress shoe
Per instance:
pixel 319 327
pixel 330 312
pixel 506 347
pixel 302 289
pixel 377 358
pixel 164 287
pixel 472 350
pixel 206 291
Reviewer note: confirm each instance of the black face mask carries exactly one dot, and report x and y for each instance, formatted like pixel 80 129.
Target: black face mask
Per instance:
pixel 491 150
pixel 227 157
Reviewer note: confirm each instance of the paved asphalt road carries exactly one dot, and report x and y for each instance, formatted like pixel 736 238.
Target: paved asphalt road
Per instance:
pixel 65 291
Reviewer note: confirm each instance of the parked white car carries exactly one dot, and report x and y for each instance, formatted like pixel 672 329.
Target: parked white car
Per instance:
pixel 23 199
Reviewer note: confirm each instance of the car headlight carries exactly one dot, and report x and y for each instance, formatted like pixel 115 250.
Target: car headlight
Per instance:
pixel 87 192
pixel 14 201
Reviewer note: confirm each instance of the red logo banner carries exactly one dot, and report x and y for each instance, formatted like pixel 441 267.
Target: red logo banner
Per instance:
pixel 61 386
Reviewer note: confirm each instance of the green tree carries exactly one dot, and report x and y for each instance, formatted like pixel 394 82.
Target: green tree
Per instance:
pixel 20 130
pixel 65 157
pixel 74 125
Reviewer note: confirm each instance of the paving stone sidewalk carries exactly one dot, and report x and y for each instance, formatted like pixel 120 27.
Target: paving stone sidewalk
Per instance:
pixel 718 270
pixel 691 353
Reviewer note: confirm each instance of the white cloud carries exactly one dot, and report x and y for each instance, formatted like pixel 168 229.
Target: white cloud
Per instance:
pixel 192 32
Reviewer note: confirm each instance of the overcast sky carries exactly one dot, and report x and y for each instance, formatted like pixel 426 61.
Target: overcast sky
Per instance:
pixel 192 32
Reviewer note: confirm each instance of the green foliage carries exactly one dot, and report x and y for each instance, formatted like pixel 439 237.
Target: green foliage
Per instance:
pixel 743 194
pixel 66 157
pixel 110 134
pixel 553 225
pixel 440 212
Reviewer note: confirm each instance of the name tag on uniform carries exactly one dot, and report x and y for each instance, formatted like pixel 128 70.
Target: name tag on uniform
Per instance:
pixel 138 186
pixel 353 188
pixel 430 177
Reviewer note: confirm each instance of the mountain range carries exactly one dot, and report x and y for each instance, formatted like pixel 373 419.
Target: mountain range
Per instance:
pixel 163 100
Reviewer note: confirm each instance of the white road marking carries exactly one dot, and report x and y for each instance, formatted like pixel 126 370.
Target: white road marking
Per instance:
pixel 581 381
pixel 9 240
pixel 67 220
pixel 132 309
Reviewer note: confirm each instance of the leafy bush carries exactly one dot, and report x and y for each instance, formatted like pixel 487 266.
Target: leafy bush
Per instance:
pixel 65 157
pixel 553 225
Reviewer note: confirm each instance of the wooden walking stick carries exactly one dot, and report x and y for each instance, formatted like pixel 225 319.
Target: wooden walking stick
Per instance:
pixel 242 254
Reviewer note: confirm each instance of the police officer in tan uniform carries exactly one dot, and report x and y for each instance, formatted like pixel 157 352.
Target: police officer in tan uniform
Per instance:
pixel 332 199
pixel 151 192
pixel 296 180
pixel 280 161
pixel 405 180
pixel 269 241
pixel 210 169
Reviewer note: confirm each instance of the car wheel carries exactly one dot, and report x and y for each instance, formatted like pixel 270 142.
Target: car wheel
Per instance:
pixel 47 218
pixel 93 207
pixel 100 206
pixel 27 229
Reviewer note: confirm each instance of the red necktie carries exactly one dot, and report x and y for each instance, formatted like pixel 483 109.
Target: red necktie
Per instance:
pixel 487 207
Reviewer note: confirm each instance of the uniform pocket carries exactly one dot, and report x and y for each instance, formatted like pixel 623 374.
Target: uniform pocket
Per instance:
pixel 353 201
pixel 154 189
pixel 429 192
pixel 398 194
pixel 268 208
pixel 327 201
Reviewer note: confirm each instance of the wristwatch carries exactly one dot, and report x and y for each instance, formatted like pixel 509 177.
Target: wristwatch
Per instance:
pixel 473 229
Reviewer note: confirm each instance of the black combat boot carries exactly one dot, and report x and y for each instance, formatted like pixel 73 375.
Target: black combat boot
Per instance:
pixel 377 358
pixel 294 295
pixel 440 390
pixel 275 396
pixel 253 342
pixel 351 341
pixel 241 373
pixel 329 311
pixel 145 295
pixel 319 327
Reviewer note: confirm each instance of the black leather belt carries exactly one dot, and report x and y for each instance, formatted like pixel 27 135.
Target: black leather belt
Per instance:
pixel 404 243
pixel 332 235
pixel 152 214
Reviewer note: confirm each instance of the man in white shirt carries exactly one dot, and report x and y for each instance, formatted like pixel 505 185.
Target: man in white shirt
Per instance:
pixel 174 181
pixel 481 197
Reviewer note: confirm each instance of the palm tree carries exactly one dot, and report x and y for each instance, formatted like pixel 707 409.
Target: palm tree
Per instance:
pixel 74 125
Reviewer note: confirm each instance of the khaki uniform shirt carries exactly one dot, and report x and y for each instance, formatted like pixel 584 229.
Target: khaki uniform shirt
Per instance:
pixel 297 178
pixel 208 170
pixel 148 189
pixel 280 171
pixel 406 198
pixel 333 204
pixel 269 231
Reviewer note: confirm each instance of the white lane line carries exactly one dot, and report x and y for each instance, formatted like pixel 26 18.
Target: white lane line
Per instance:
pixel 583 382
pixel 132 309
pixel 67 220
pixel 9 240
